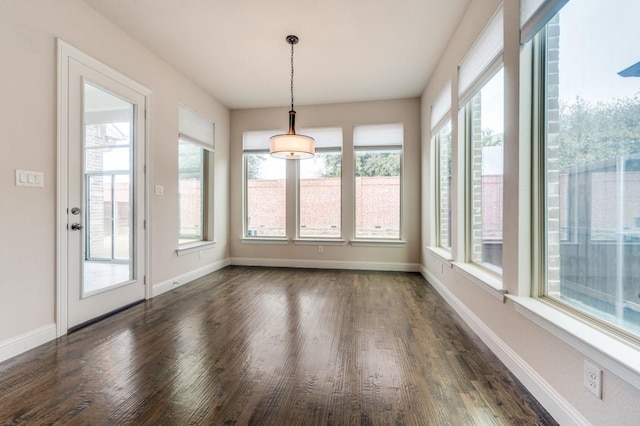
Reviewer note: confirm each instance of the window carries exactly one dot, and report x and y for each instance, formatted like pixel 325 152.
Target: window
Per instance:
pixel 195 151
pixel 320 186
pixel 484 141
pixel 378 155
pixel 481 94
pixel 192 163
pixel 265 187
pixel 590 167
pixel 442 141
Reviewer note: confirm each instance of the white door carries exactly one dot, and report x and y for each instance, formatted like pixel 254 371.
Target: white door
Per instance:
pixel 104 194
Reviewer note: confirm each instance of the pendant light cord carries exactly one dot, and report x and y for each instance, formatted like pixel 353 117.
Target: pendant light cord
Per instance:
pixel 292 76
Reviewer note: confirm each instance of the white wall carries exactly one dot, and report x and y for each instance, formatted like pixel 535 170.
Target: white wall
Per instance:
pixel 28 31
pixel 346 115
pixel 551 368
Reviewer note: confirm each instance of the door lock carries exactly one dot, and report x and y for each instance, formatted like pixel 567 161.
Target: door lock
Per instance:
pixel 76 226
pixel 75 210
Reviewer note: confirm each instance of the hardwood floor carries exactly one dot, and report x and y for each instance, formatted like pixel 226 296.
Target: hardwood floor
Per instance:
pixel 275 347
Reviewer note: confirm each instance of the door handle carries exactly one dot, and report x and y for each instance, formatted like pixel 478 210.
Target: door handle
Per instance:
pixel 76 226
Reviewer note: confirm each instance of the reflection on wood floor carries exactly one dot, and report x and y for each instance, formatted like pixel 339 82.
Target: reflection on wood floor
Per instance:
pixel 272 346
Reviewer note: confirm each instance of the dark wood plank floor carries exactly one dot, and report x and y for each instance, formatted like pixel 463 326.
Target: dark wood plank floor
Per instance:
pixel 275 347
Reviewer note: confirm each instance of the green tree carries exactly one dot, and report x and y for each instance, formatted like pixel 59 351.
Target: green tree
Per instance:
pixel 254 166
pixel 332 164
pixel 488 138
pixel 377 163
pixel 594 132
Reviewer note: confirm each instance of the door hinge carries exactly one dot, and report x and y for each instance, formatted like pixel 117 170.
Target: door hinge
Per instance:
pixel 144 279
pixel 144 224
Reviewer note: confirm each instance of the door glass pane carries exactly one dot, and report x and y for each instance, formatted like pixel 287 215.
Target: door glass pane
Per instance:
pixel 121 217
pixel 99 210
pixel 108 155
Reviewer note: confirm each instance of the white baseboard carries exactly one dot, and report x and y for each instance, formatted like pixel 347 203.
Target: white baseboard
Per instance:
pixel 326 264
pixel 180 280
pixel 552 401
pixel 27 341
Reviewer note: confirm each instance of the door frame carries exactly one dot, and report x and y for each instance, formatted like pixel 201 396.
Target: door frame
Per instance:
pixel 65 52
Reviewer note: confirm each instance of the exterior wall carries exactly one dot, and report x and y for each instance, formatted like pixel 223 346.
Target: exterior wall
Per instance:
pixel 382 194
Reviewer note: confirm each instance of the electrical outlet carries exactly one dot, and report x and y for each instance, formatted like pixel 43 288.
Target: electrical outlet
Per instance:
pixel 593 378
pixel 320 249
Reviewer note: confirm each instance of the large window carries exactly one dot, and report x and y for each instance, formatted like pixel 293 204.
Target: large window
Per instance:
pixel 195 152
pixel 484 141
pixel 442 141
pixel 378 155
pixel 481 128
pixel 265 179
pixel 590 168
pixel 320 186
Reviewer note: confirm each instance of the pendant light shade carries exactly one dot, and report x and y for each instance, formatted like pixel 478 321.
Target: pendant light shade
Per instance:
pixel 290 145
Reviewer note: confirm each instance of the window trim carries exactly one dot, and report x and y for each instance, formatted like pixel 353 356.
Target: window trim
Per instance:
pixel 207 202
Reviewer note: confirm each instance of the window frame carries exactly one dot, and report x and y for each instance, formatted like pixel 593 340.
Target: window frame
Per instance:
pixel 465 117
pixel 372 148
pixel 208 237
pixel 540 275
pixel 437 144
pixel 205 208
pixel 299 237
pixel 245 198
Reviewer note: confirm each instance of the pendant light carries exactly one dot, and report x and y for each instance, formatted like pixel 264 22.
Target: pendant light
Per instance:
pixel 291 146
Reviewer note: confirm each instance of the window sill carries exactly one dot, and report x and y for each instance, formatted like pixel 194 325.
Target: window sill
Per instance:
pixel 319 242
pixel 613 354
pixel 441 254
pixel 378 243
pixel 262 240
pixel 482 279
pixel 194 247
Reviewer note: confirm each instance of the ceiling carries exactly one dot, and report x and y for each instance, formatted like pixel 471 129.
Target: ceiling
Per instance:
pixel 349 50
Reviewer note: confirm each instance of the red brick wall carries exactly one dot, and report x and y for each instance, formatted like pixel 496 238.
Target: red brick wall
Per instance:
pixel 320 200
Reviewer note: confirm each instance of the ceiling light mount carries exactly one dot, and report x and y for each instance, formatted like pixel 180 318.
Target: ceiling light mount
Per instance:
pixel 290 145
pixel 291 39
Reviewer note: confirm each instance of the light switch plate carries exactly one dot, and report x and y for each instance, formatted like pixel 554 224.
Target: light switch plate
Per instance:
pixel 29 178
pixel 159 190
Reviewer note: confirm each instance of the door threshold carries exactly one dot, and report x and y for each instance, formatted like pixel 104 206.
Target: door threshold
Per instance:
pixel 103 316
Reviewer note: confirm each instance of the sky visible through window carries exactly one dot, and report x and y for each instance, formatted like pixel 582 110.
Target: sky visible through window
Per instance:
pixel 604 29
